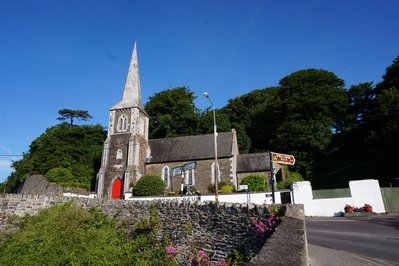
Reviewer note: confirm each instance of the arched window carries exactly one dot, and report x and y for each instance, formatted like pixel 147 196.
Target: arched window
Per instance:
pixel 122 123
pixel 213 173
pixel 190 177
pixel 119 154
pixel 166 176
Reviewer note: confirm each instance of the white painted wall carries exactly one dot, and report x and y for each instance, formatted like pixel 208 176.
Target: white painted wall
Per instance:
pixel 75 195
pixel 362 191
pixel 255 198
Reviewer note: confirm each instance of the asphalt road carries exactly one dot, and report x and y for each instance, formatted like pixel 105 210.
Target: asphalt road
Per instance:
pixel 373 240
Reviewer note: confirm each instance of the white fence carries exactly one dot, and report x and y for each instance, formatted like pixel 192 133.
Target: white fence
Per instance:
pixel 362 192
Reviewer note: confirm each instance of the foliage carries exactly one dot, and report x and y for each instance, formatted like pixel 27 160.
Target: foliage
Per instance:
pixel 227 188
pixel 76 148
pixel 206 121
pixel 311 102
pixel 370 133
pixel 200 259
pixel 251 116
pixel 290 177
pixel 69 235
pixel 255 182
pixel 71 115
pixel 173 113
pixel 149 185
pixel 75 176
pixel 211 188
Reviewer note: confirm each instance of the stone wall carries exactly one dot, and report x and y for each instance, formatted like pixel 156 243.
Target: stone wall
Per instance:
pixel 218 229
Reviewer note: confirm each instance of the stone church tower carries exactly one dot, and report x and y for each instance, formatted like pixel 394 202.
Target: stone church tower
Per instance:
pixel 126 146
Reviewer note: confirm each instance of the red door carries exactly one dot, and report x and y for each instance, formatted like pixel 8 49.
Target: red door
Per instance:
pixel 117 189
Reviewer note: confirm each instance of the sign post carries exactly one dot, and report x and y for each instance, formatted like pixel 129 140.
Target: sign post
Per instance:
pixel 181 170
pixel 281 159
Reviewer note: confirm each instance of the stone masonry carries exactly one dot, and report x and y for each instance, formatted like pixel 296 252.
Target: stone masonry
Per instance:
pixel 218 229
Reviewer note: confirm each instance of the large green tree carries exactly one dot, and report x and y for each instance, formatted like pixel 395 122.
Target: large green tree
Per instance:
pixel 172 113
pixel 367 146
pixel 384 123
pixel 251 115
pixel 310 104
pixel 77 149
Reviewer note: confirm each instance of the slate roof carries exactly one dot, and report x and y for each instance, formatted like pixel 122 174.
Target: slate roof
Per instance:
pixel 255 162
pixel 190 148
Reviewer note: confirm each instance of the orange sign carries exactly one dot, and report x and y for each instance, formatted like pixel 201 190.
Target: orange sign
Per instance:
pixel 282 158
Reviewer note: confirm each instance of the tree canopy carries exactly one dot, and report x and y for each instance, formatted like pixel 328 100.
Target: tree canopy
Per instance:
pixel 77 149
pixel 172 113
pixel 71 115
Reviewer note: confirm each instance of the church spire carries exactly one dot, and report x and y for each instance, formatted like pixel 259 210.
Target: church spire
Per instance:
pixel 131 96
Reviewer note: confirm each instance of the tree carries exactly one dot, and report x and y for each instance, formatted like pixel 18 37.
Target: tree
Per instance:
pixel 250 115
pixel 205 125
pixel 77 149
pixel 391 77
pixel 384 124
pixel 172 113
pixel 361 97
pixel 68 114
pixel 367 146
pixel 309 105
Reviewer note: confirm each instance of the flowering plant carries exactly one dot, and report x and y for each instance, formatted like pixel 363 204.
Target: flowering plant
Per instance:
pixel 265 225
pixel 201 259
pixel 366 205
pixel 171 253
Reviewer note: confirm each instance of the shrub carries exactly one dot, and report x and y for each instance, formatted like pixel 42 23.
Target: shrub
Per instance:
pixel 211 187
pixel 70 235
pixel 149 185
pixel 75 176
pixel 290 177
pixel 60 175
pixel 255 182
pixel 227 188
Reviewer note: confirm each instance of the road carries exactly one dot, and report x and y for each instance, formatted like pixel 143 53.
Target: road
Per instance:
pixel 373 240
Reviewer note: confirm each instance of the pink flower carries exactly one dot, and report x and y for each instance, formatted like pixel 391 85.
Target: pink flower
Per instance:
pixel 222 262
pixel 171 251
pixel 202 255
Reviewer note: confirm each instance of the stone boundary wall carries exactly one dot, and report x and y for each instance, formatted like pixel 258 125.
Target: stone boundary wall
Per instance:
pixel 218 229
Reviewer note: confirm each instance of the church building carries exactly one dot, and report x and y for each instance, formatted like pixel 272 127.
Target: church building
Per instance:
pixel 128 154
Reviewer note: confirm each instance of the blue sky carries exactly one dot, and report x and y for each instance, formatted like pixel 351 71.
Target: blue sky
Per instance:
pixel 74 54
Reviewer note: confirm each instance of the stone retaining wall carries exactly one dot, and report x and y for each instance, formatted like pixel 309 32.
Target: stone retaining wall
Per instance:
pixel 218 229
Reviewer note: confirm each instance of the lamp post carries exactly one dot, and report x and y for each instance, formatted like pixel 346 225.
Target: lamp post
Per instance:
pixel 216 166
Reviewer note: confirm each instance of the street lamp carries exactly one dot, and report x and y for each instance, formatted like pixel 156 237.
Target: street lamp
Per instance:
pixel 215 133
